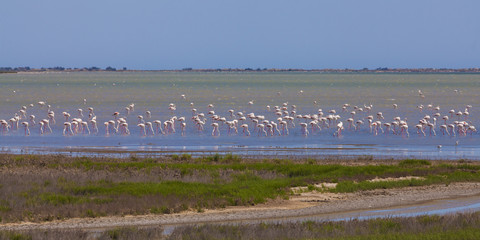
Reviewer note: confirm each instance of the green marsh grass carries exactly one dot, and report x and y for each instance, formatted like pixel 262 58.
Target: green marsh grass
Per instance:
pixel 38 187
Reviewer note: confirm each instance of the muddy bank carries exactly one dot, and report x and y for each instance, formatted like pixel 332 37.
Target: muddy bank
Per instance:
pixel 322 207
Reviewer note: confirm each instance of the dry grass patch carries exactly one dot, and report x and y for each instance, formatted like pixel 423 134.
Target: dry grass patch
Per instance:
pixel 44 188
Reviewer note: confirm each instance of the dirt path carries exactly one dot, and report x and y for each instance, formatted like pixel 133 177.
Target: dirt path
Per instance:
pixel 321 205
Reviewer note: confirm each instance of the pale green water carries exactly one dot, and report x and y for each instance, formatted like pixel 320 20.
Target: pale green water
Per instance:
pixel 109 92
pixel 236 89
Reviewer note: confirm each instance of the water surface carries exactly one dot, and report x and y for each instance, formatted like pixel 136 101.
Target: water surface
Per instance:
pixel 109 92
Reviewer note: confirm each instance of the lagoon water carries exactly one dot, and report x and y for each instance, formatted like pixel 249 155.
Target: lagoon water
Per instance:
pixel 109 92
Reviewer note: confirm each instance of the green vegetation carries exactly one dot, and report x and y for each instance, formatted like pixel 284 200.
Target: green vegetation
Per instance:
pixel 58 187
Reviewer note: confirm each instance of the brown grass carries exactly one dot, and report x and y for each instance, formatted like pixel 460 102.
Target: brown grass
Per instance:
pixel 24 178
pixel 37 187
pixel 370 229
pixel 459 226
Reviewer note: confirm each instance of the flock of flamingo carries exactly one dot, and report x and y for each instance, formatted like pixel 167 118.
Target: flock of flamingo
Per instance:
pixel 285 118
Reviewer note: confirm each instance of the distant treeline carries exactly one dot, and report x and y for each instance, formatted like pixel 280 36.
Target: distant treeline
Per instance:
pixel 326 70
pixel 29 69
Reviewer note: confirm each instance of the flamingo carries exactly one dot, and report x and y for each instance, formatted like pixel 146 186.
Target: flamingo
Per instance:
pixel 183 126
pixel 443 129
pixel 90 111
pixel 112 123
pixel 459 114
pixel 231 111
pixel 74 125
pixel 66 115
pixel 158 127
pixel 67 129
pixel 51 117
pixel 445 119
pixel 387 127
pixel 41 124
pixel 420 129
pixel 359 123
pixel 261 129
pixel 452 128
pixel 142 129
pixel 27 131
pixel 304 129
pixel 404 130
pixel 4 125
pixel 93 122
pixel 215 131
pixel 140 119
pixel 46 126
pixel 171 125
pixel 23 114
pixel 149 129
pixel 432 128
pixel 471 129
pixel 338 132
pixel 284 125
pixel 275 128
pixel 107 131
pixel 14 123
pixel 124 127
pixel 41 104
pixel 85 129
pixel 245 129
pixel 350 123
pixel 32 120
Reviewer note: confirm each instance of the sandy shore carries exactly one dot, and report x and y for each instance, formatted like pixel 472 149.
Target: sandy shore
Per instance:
pixel 321 205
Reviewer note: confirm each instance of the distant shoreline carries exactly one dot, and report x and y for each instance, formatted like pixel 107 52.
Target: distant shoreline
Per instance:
pixel 266 70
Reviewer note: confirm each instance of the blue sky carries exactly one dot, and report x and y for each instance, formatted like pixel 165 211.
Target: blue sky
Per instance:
pixel 225 33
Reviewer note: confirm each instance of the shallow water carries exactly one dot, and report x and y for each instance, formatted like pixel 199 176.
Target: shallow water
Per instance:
pixel 111 92
pixel 436 207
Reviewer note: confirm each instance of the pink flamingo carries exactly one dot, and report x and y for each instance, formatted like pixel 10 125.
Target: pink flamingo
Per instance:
pixel 404 129
pixel 142 129
pixel 183 126
pixel 46 126
pixel 338 132
pixel 215 131
pixel 32 120
pixel 158 127
pixel 261 129
pixel 149 128
pixel 304 129
pixel 443 129
pixel 40 131
pixel 85 129
pixel 27 131
pixel 93 122
pixel 67 129
pixel 66 115
pixel 245 129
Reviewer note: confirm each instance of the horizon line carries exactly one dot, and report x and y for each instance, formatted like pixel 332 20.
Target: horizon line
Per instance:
pixel 258 69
